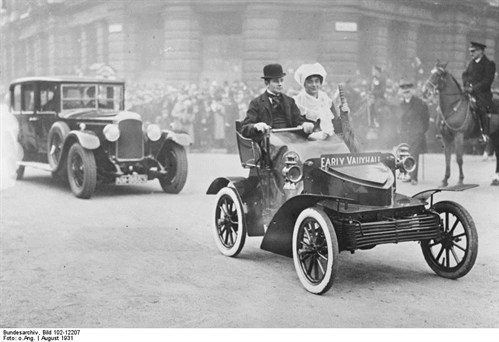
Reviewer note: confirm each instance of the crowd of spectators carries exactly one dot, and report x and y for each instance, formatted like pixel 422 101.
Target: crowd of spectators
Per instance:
pixel 208 110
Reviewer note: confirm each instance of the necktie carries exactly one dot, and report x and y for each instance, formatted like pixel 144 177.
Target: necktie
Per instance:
pixel 276 100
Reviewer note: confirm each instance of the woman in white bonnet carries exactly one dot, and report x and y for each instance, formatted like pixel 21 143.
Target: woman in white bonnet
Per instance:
pixel 313 102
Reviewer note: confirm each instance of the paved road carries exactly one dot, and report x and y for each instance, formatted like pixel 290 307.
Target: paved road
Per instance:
pixel 136 257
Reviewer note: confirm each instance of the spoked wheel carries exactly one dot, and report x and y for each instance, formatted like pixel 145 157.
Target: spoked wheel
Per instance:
pixel 82 172
pixel 56 136
pixel 230 227
pixel 174 158
pixel 453 254
pixel 315 250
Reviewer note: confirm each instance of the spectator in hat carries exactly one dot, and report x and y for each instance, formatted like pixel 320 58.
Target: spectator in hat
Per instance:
pixel 273 109
pixel 415 120
pixel 477 80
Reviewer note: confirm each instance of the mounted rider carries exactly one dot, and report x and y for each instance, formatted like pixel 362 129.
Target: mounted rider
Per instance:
pixel 477 80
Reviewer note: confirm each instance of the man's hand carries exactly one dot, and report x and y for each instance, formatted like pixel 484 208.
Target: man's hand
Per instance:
pixel 262 127
pixel 308 127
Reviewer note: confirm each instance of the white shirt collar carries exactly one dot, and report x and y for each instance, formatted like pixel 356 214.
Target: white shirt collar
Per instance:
pixel 478 59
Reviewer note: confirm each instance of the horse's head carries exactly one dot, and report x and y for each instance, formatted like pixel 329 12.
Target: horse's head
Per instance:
pixel 436 80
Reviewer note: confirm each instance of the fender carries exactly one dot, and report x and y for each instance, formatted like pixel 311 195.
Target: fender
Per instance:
pixel 423 196
pixel 221 182
pixel 87 139
pixel 279 235
pixel 180 138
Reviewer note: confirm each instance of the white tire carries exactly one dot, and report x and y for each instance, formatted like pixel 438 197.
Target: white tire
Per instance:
pixel 315 250
pixel 229 226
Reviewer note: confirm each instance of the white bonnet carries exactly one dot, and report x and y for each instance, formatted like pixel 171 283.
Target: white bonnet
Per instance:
pixel 306 70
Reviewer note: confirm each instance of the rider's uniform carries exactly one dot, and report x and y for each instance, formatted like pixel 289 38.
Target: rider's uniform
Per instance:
pixel 479 76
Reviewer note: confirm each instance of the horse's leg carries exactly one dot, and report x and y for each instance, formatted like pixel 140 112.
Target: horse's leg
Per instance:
pixel 447 151
pixel 459 145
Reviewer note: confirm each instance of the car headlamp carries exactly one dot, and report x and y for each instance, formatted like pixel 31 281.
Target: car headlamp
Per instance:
pixel 292 170
pixel 153 132
pixel 111 132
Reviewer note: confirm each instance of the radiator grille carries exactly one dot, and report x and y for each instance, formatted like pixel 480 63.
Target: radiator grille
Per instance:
pixel 130 145
pixel 363 234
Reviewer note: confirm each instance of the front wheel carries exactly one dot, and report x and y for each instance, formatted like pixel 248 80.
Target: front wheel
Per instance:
pixel 230 227
pixel 315 250
pixel 82 172
pixel 174 158
pixel 453 254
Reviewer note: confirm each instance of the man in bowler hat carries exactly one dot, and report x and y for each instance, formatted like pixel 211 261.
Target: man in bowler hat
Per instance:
pixel 272 109
pixel 477 80
pixel 414 123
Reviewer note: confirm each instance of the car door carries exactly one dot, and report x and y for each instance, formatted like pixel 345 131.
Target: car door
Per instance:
pixel 47 107
pixel 23 104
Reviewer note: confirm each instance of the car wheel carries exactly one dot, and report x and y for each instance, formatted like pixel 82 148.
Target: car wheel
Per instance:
pixel 174 158
pixel 453 254
pixel 230 227
pixel 56 136
pixel 82 172
pixel 315 250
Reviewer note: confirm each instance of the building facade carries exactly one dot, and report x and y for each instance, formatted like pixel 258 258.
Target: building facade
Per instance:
pixel 185 41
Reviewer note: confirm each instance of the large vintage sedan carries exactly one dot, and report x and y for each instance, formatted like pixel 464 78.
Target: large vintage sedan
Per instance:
pixel 77 129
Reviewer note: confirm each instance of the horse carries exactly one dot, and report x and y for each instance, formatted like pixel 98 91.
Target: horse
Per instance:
pixel 457 119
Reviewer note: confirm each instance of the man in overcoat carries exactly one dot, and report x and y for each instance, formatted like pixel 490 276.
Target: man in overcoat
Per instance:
pixel 415 120
pixel 272 109
pixel 477 80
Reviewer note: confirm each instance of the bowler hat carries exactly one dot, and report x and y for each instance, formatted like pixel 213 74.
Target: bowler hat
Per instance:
pixel 273 71
pixel 476 45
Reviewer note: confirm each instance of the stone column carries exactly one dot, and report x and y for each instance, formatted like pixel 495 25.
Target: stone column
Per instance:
pixel 339 48
pixel 181 48
pixel 101 36
pixel 380 42
pixel 261 40
pixel 491 36
pixel 121 40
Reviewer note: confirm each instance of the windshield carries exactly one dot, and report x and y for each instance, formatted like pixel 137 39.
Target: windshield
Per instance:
pixel 92 96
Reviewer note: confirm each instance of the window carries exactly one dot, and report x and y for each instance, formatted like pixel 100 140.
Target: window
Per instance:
pixel 28 98
pixel 48 97
pixel 16 98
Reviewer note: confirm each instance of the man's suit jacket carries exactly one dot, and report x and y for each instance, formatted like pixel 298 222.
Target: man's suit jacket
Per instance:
pixel 260 110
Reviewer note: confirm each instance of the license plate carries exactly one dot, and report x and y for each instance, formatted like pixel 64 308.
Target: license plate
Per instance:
pixel 131 179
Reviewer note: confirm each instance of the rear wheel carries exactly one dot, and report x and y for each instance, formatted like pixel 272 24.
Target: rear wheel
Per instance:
pixel 315 250
pixel 56 137
pixel 230 228
pixel 174 158
pixel 453 254
pixel 82 172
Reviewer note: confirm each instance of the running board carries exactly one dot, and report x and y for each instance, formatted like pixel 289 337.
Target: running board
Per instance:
pixel 36 165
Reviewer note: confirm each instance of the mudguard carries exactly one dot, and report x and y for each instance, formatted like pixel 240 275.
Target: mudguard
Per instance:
pixel 87 139
pixel 424 195
pixel 180 138
pixel 279 235
pixel 221 182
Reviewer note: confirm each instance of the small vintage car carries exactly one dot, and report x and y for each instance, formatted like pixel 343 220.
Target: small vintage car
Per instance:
pixel 327 200
pixel 77 129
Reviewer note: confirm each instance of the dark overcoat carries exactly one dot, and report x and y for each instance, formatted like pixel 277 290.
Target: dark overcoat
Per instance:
pixel 260 110
pixel 480 77
pixel 415 119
